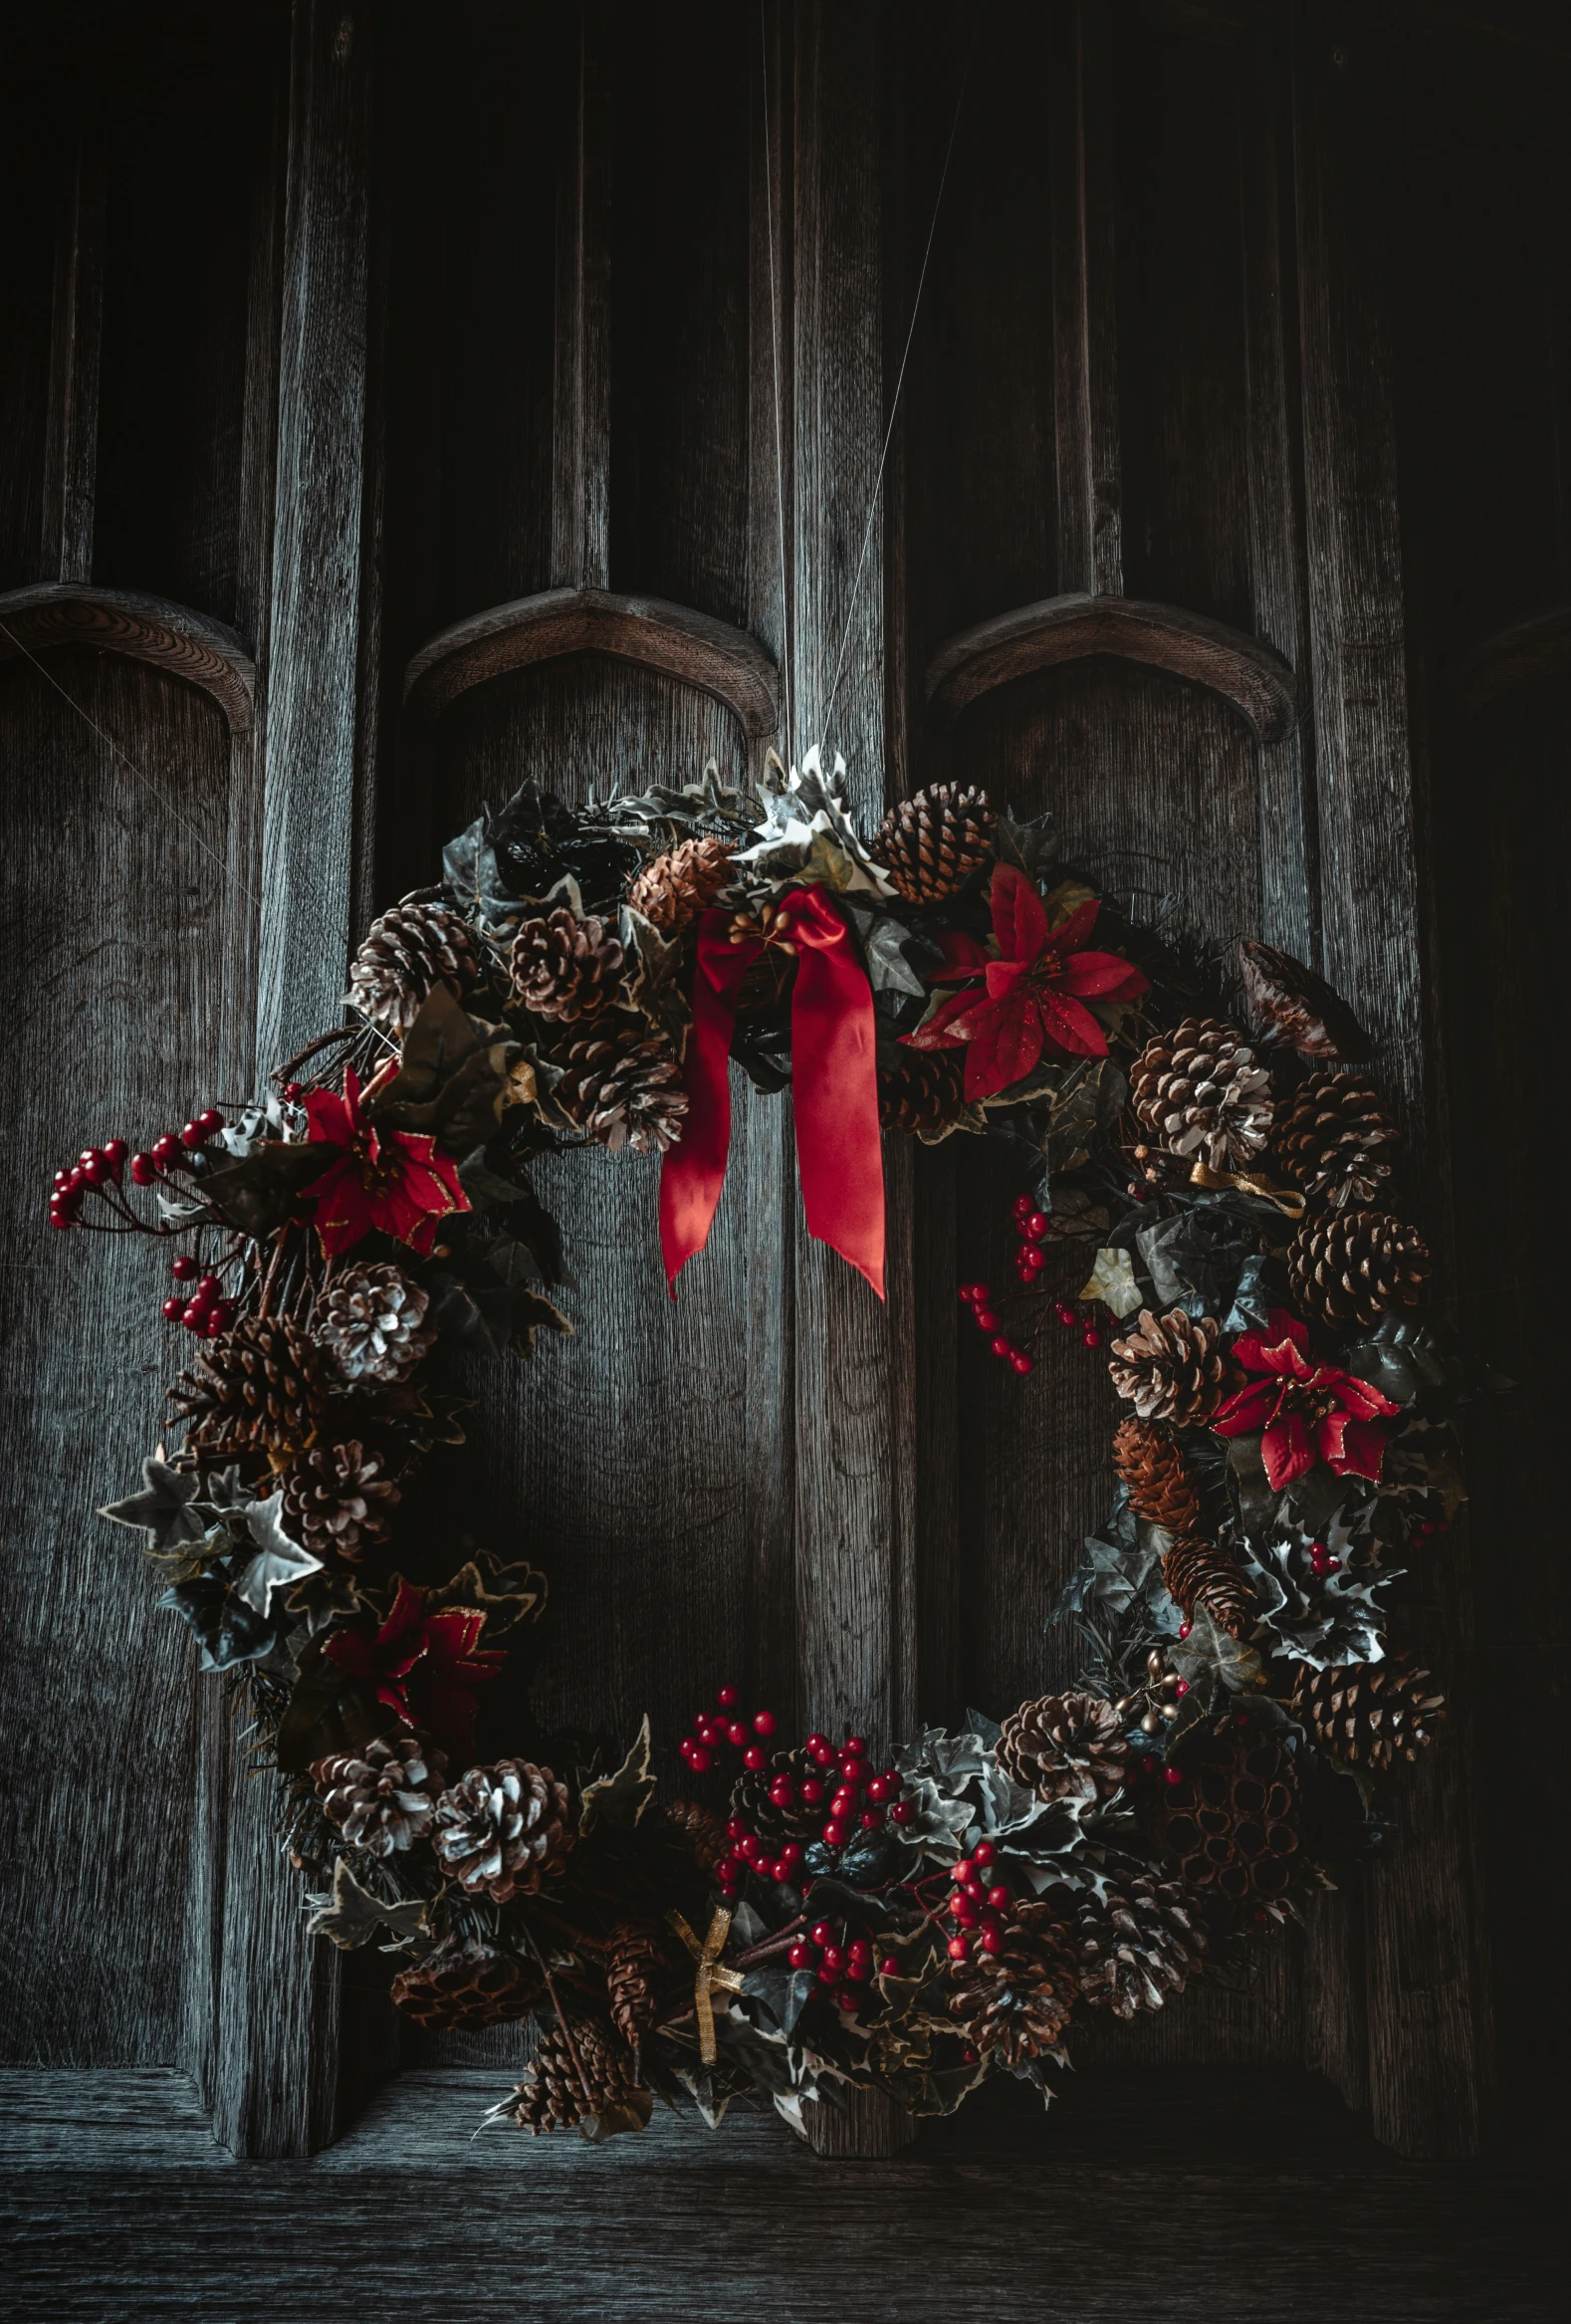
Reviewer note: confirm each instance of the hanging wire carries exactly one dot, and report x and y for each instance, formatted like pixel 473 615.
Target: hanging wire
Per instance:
pixel 775 355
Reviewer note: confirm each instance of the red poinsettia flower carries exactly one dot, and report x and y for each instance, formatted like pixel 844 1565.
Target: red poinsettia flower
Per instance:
pixel 425 1667
pixel 1306 1411
pixel 1034 994
pixel 381 1181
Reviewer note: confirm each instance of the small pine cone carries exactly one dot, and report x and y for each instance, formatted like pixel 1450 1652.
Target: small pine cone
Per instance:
pixel 1160 1488
pixel 261 1388
pixel 931 843
pixel 384 1797
pixel 1294 1008
pixel 563 967
pixel 410 950
pixel 503 1829
pixel 1202 1577
pixel 925 1095
pixel 638 1971
pixel 1065 1746
pixel 1171 1367
pixel 1351 1267
pixel 1369 1714
pixel 700 1829
pixel 1336 1140
pixel 1199 1093
pixel 1232 1822
pixel 1135 1946
pixel 621 1084
pixel 467 1983
pixel 676 887
pixel 551 2096
pixel 336 1502
pixel 750 1799
pixel 1017 2000
pixel 371 1323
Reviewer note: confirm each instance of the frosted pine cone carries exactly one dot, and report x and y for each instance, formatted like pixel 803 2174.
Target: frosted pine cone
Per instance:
pixel 621 1084
pixel 371 1323
pixel 384 1798
pixel 1171 1367
pixel 1200 1093
pixel 553 2094
pixel 1353 1266
pixel 503 1829
pixel 1369 1714
pixel 1017 2000
pixel 1135 1946
pixel 565 967
pixel 1199 1577
pixel 338 1503
pixel 410 950
pixel 1337 1142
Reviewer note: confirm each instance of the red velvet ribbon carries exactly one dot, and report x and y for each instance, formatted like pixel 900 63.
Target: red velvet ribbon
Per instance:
pixel 834 1089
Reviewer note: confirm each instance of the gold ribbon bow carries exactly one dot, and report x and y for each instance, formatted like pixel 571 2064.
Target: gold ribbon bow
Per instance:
pixel 710 1974
pixel 1287 1199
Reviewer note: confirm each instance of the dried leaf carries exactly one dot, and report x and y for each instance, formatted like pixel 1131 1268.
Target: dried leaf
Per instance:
pixel 620 1799
pixel 352 1915
pixel 1112 1280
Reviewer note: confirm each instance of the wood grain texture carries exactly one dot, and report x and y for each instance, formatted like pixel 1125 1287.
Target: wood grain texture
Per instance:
pixel 580 532
pixel 1085 345
pixel 139 627
pixel 71 444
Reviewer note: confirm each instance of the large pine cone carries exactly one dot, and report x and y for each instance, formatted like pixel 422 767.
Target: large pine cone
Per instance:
pixel 563 967
pixel 701 1830
pixel 1354 1265
pixel 1336 1140
pixel 1017 2000
pixel 503 1829
pixel 676 887
pixel 1200 1576
pixel 637 1973
pixel 261 1388
pixel 622 1083
pixel 1369 1714
pixel 1161 1487
pixel 411 949
pixel 1199 1093
pixel 553 2097
pixel 1171 1367
pixel 1065 1746
pixel 798 1819
pixel 1232 1822
pixel 371 1322
pixel 338 1503
pixel 384 1797
pixel 466 1983
pixel 931 843
pixel 1294 1008
pixel 1135 1946
pixel 924 1096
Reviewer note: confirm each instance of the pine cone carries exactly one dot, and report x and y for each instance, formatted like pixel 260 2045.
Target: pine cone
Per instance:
pixel 1369 1714
pixel 1296 1010
pixel 931 843
pixel 338 1503
pixel 1172 1368
pixel 622 1083
pixel 1160 1488
pixel 1065 1746
pixel 638 1971
pixel 1199 1093
pixel 565 967
pixel 1232 1822
pixel 553 2097
pixel 384 1797
pixel 1135 1945
pixel 1351 1267
pixel 925 1095
pixel 700 1829
pixel 259 1389
pixel 750 1798
pixel 466 1983
pixel 1017 2000
pixel 503 1829
pixel 371 1322
pixel 1199 1575
pixel 676 887
pixel 1336 1140
pixel 411 949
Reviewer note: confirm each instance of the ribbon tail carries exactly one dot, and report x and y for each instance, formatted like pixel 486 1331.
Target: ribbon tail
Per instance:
pixel 693 1172
pixel 1287 1199
pixel 834 1094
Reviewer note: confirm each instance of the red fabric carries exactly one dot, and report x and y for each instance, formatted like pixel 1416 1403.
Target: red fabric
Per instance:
pixel 834 1090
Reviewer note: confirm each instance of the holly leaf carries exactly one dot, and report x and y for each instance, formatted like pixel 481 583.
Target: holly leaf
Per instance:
pixel 162 1510
pixel 620 1799
pixel 351 1914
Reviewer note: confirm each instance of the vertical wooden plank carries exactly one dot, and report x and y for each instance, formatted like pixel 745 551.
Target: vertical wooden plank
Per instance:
pixel 72 442
pixel 580 531
pixel 1086 351
pixel 1430 2040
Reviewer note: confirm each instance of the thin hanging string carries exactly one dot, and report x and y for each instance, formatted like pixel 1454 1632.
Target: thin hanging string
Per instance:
pixel 900 380
pixel 146 780
pixel 775 355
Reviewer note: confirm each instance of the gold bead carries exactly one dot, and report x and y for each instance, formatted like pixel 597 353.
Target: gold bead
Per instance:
pixel 1148 1725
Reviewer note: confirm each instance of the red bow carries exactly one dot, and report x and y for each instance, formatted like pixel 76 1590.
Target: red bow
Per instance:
pixel 834 1089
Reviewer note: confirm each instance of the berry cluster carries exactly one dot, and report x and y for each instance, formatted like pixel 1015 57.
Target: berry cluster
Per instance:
pixel 1321 1561
pixel 1034 1228
pixel 842 1961
pixel 979 1904
pixel 844 1785
pixel 977 1298
pixel 200 1305
pixel 102 1170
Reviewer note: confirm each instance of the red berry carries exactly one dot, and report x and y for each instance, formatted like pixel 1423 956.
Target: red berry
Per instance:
pixel 1172 1775
pixel 764 1722
pixel 1033 1261
pixel 999 1898
pixel 873 1819
pixel 1182 1687
pixel 779 1869
pixel 183 1267
pixel 991 1939
pixel 1036 1226
pixel 217 1323
pixel 860 1967
pixel 962 1872
pixel 95 1169
pixel 1023 1206
pixel 60 1219
pixel 817 1744
pixel 1002 1347
pixel 209 1287
pixel 143 1169
pixel 902 1812
pixel 698 1759
pixel 985 1319
pixel 209 1121
pixel 173 1310
pixel 1062 1310
pixel 848 2000
pixel 194 1134
pixel 750 1846
pixel 165 1150
pixel 1333 1566
pixel 959 1948
pixel 115 1150
pixel 736 1830
pixel 964 1910
pixel 965 1294
pixel 855 1746
pixel 811 1791
pixel 878 1789
pixel 823 1757
pixel 736 1733
pixel 983 1852
pixel 294 1092
pixel 1090 1336
pixel 836 1833
pixel 791 1855
pixel 828 1976
pixel 971 2054
pixel 833 1957
pixel 801 1956
pixel 727 1697
pixel 889 1967
pixel 783 1792
pixel 822 1934
pixel 755 1757
pixel 194 1316
pixel 1022 1363
pixel 980 1291
pixel 1185 1628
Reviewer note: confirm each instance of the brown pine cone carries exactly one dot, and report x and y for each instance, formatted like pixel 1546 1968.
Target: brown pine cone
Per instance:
pixel 700 1829
pixel 1369 1714
pixel 338 1503
pixel 637 1971
pixel 676 887
pixel 1065 1746
pixel 1352 1267
pixel 926 1093
pixel 371 1322
pixel 622 1083
pixel 411 949
pixel 1336 1140
pixel 1199 1093
pixel 1171 1367
pixel 261 1388
pixel 467 1983
pixel 384 1797
pixel 503 1829
pixel 565 967
pixel 1294 1008
pixel 1017 2000
pixel 750 1799
pixel 1200 1576
pixel 931 843
pixel 551 2095
pixel 1153 1468
pixel 1135 1945
pixel 1230 1821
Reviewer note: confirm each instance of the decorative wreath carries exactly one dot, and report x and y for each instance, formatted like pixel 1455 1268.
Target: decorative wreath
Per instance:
pixel 839 1914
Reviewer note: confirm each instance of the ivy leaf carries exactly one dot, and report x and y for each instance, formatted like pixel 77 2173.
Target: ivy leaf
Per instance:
pixel 228 1630
pixel 278 1561
pixel 162 1510
pixel 652 988
pixel 352 1915
pixel 1112 1280
pixel 506 1594
pixel 620 1799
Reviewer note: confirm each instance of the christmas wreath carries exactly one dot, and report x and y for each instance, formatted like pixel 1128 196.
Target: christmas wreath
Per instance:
pixel 911 1918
